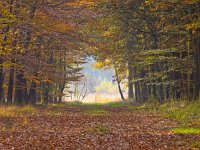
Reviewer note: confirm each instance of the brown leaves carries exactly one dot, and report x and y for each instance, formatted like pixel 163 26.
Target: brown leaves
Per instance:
pixel 71 128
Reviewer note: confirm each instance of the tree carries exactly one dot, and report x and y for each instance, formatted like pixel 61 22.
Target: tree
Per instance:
pixel 41 49
pixel 160 45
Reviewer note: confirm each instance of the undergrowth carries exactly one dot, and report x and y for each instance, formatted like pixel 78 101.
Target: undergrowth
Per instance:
pixel 13 111
pixel 96 112
pixel 187 114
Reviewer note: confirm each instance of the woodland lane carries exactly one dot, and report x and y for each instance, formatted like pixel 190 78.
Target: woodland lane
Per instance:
pixel 84 128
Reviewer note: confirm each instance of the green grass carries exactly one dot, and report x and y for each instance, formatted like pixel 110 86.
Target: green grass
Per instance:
pixel 186 130
pixel 114 104
pixel 95 105
pixel 187 114
pixel 96 112
pixel 133 108
pixel 80 104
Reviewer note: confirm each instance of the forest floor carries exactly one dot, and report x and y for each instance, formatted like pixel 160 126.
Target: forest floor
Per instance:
pixel 89 127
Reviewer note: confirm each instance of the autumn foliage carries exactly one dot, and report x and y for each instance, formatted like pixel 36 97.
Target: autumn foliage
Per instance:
pixel 40 49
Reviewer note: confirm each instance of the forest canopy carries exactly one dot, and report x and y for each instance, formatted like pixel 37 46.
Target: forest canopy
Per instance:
pixel 153 46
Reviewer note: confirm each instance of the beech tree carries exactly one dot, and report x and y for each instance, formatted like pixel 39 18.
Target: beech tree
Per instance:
pixel 153 47
pixel 40 49
pixel 159 46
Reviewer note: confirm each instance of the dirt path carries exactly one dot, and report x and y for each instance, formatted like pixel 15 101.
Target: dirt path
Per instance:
pixel 74 129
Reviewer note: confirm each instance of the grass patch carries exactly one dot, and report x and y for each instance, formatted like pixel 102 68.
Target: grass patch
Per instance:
pixel 186 130
pixel 134 108
pixel 96 112
pixel 13 111
pixel 196 145
pixel 53 112
pixel 80 104
pixel 100 129
pixel 54 109
pixel 186 113
pixel 74 104
pixel 27 110
pixel 114 104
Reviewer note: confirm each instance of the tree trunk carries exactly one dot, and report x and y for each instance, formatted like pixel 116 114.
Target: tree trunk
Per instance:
pixel 46 93
pixel 130 81
pixel 5 31
pixel 21 90
pixel 118 83
pixel 33 94
pixel 197 69
pixel 21 83
pixel 61 89
pixel 10 85
pixel 1 79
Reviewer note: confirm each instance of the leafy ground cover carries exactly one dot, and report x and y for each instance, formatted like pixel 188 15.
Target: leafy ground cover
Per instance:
pixel 186 114
pixel 83 126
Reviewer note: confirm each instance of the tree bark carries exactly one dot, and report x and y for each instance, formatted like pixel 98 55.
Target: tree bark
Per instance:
pixel 21 84
pixel 21 90
pixel 1 79
pixel 130 81
pixel 118 83
pixel 10 85
pixel 197 69
pixel 33 94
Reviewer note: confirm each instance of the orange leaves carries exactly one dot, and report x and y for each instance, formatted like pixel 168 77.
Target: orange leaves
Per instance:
pixel 50 24
pixel 80 3
pixel 69 127
pixel 61 27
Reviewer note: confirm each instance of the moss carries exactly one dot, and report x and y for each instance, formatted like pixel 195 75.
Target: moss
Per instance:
pixel 100 129
pixel 196 145
pixel 133 108
pixel 186 113
pixel 114 104
pixel 186 130
pixel 96 112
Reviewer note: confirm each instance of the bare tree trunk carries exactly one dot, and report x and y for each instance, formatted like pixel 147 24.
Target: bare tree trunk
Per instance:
pixel 130 81
pixel 21 90
pixel 10 85
pixel 197 64
pixel 33 87
pixel 21 83
pixel 32 94
pixel 11 77
pixel 118 83
pixel 1 79
pixel 6 30
pixel 46 93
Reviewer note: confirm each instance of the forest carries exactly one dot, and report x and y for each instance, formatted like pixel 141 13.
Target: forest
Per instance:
pixel 152 46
